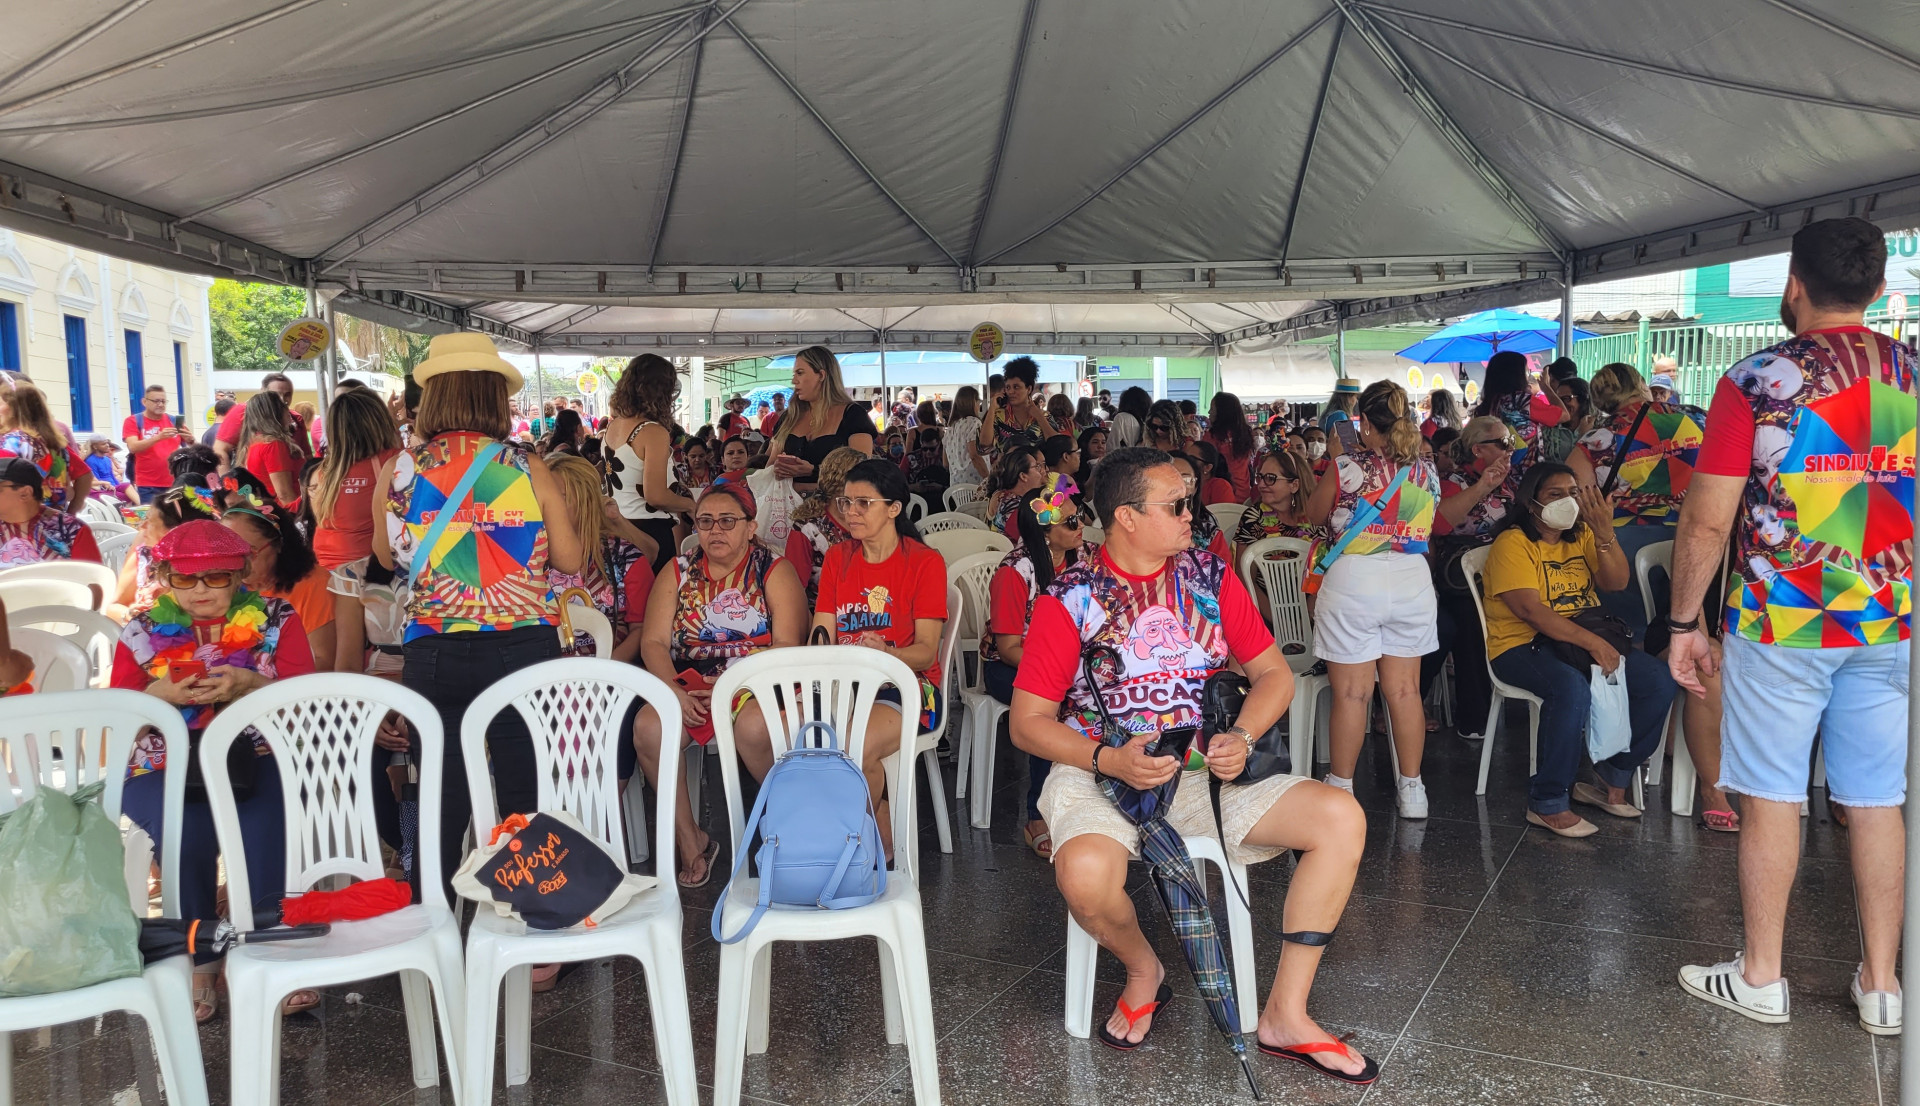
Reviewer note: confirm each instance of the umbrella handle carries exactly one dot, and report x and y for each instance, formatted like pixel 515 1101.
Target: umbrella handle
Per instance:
pixel 287 933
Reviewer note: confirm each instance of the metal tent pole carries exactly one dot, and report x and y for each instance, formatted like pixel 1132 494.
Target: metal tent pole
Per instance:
pixel 886 396
pixel 1566 310
pixel 540 394
pixel 1910 930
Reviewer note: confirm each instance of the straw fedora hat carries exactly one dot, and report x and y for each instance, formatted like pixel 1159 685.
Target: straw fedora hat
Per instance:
pixel 466 351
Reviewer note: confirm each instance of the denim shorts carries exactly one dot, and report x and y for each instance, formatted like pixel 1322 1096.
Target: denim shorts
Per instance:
pixel 1774 699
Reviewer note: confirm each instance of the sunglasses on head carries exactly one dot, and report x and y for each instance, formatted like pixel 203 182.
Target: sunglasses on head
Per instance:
pixel 1500 443
pixel 181 582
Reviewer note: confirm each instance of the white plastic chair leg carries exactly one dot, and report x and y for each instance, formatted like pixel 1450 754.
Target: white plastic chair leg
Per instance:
pixel 417 997
pixel 672 1021
pixel 633 811
pixel 696 758
pixel 483 996
pixel 253 1045
pixel 139 866
pixel 890 995
pixel 1656 763
pixel 1686 778
pixel 176 1040
pixel 516 1023
pixel 1533 738
pixel 937 789
pixel 733 1026
pixel 905 952
pixel 986 741
pixel 6 1069
pixel 761 1010
pixel 1300 731
pixel 1083 954
pixel 1820 765
pixel 1486 744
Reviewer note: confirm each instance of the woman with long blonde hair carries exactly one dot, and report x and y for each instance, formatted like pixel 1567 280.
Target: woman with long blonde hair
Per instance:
pixel 361 439
pixel 27 430
pixel 1376 611
pixel 821 419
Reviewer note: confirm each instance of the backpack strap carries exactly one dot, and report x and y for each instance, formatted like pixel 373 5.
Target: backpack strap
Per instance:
pixel 1363 516
pixel 456 499
pixel 764 859
pixel 839 873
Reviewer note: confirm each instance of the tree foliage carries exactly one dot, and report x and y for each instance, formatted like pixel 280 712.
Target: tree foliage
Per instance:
pixel 246 318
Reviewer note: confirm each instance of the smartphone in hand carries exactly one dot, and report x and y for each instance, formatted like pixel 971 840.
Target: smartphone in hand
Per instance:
pixel 1173 743
pixel 1349 437
pixel 182 671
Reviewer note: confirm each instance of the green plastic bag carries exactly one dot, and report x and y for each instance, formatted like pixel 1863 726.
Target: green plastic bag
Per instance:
pixel 65 921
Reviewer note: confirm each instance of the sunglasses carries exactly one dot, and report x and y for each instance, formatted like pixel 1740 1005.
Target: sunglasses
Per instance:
pixel 1072 523
pixel 1175 507
pixel 1158 427
pixel 722 523
pixel 1499 443
pixel 180 582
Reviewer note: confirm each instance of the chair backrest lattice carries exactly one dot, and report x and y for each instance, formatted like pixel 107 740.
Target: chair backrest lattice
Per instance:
pixel 1277 568
pixel 955 544
pixel 948 520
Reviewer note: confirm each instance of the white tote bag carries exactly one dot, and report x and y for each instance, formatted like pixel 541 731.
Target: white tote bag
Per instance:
pixel 774 500
pixel 1609 728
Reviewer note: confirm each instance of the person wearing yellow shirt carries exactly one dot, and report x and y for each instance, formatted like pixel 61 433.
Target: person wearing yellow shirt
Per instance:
pixel 1543 580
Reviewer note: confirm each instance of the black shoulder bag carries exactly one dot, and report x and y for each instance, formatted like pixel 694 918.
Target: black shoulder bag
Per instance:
pixel 1221 698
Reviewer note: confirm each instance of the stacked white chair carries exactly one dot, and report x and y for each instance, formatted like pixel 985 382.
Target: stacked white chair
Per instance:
pixel 321 729
pixel 958 494
pixel 916 508
pixel 19 592
pixel 971 578
pixel 949 520
pixel 835 684
pixel 114 549
pixel 58 664
pixel 101 581
pixel 1228 516
pixel 977 508
pixel 94 633
pixel 1473 565
pixel 1278 566
pixel 955 544
pixel 81 723
pixel 574 708
pixel 99 510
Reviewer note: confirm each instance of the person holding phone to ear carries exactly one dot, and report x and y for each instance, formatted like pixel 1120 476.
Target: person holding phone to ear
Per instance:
pixel 1166 616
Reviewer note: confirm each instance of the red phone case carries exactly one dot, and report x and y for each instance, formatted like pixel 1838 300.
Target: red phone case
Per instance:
pixel 184 670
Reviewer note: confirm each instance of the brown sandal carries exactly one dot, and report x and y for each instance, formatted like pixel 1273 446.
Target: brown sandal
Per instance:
pixel 206 996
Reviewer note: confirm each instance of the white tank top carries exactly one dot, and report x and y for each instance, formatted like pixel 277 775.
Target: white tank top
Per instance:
pixel 624 474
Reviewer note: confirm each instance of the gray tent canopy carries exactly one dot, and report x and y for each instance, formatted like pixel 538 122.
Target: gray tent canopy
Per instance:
pixel 749 175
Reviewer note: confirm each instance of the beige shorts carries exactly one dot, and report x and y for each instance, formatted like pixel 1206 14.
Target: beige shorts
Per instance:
pixel 1073 804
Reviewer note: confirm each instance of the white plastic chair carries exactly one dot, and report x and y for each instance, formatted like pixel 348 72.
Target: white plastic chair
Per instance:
pixel 1228 516
pixel 1659 555
pixel 835 684
pixel 573 707
pixel 99 510
pixel 1278 566
pixel 589 621
pixel 45 591
pixel 103 529
pixel 1473 564
pixel 85 573
pixel 1083 952
pixel 1094 534
pixel 320 729
pixel 949 520
pixel 916 508
pixel 690 543
pixel 957 495
pixel 114 550
pixel 94 731
pixel 927 745
pixel 976 509
pixel 58 664
pixel 972 578
pixel 955 544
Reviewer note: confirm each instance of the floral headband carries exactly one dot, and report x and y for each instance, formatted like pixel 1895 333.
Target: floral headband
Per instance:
pixel 244 499
pixel 1052 502
pixel 200 499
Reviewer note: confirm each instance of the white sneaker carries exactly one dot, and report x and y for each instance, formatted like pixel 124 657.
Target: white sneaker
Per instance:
pixel 1413 797
pixel 1879 1010
pixel 1724 985
pixel 1343 783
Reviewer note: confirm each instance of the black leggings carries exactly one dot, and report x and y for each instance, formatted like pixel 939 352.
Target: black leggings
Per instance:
pixel 998 676
pixel 451 670
pixel 661 531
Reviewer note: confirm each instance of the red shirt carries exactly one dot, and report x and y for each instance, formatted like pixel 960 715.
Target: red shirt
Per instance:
pixel 768 422
pixel 229 431
pixel 150 465
pixel 884 599
pixel 266 458
pixel 347 534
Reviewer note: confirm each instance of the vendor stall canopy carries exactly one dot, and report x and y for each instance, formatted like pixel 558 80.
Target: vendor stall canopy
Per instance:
pixel 1148 176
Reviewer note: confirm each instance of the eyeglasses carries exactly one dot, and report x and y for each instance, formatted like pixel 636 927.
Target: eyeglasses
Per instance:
pixel 1269 479
pixel 180 582
pixel 859 504
pixel 1188 481
pixel 1175 507
pixel 722 523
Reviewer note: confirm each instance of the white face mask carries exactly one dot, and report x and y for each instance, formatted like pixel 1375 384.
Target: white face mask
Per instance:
pixel 1316 450
pixel 1561 513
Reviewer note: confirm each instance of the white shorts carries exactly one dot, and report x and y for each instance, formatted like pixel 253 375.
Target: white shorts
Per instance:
pixel 1073 804
pixel 1373 606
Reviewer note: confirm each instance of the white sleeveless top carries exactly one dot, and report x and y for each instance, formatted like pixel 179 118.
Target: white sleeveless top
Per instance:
pixel 624 474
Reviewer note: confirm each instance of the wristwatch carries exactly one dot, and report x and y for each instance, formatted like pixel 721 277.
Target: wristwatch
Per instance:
pixel 1244 736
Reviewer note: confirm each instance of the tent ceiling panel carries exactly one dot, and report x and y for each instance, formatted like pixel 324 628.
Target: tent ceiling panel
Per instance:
pixel 843 152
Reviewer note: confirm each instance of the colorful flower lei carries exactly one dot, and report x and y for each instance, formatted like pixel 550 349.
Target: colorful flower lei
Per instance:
pixel 172 638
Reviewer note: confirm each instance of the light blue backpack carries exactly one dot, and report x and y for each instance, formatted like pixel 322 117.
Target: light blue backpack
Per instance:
pixel 819 843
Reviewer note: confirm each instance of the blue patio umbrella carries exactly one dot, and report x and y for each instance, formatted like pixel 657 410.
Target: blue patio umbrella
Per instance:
pixel 1479 337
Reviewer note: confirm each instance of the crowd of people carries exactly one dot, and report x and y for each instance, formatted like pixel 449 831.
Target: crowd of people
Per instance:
pixel 1444 544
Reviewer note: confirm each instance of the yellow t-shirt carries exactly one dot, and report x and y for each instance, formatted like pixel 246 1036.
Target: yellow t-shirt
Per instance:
pixel 1562 573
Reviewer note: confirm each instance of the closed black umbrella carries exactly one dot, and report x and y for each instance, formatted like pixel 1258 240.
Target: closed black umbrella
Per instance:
pixel 208 938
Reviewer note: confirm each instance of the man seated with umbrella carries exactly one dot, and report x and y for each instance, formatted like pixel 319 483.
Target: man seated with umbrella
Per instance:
pixel 1163 617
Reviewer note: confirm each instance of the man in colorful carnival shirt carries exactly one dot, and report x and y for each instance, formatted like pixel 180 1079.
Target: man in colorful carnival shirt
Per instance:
pixel 1809 447
pixel 1174 615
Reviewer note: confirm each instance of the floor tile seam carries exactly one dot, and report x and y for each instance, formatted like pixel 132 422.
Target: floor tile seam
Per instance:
pixel 1448 959
pixel 1596 1071
pixel 1879 1091
pixel 1663 937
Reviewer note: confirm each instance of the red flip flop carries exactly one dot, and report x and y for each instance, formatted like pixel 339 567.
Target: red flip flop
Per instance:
pixel 1134 1014
pixel 1302 1054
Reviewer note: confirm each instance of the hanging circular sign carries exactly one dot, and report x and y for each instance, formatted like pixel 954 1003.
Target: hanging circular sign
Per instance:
pixel 213 417
pixel 588 383
pixel 1473 392
pixel 1415 378
pixel 986 342
pixel 304 339
pixel 1439 381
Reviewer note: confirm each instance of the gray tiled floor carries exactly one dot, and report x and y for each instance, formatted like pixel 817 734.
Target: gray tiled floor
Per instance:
pixel 1481 961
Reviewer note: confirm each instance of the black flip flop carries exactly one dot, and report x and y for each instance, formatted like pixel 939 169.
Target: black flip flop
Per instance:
pixel 1302 1054
pixel 1134 1014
